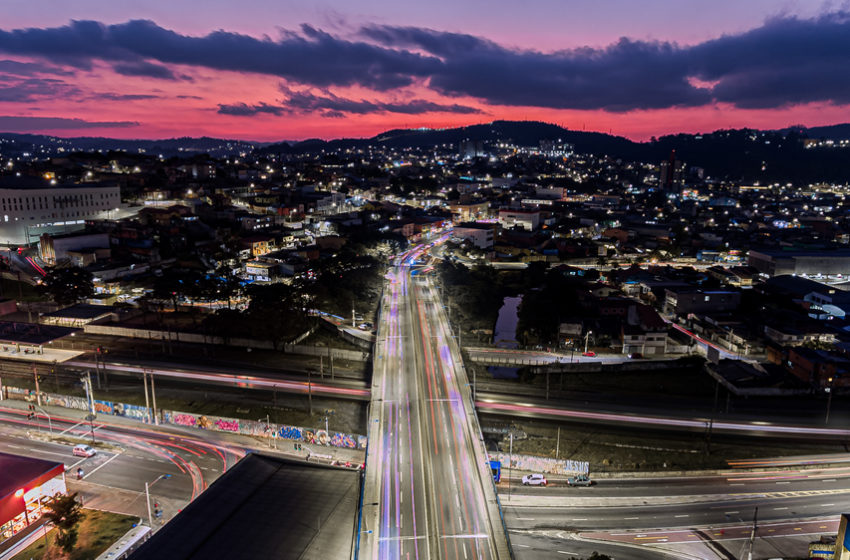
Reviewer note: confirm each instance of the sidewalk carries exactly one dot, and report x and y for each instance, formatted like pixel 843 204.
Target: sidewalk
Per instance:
pixel 48 355
pixel 118 500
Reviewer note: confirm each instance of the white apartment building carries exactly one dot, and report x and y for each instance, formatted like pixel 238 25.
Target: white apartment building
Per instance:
pixel 29 209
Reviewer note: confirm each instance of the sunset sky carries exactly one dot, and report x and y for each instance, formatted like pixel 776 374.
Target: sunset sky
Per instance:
pixel 273 70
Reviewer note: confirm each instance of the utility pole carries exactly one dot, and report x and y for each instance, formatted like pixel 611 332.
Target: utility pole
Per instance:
pixel 322 367
pixel 828 400
pixel 37 391
pixel 510 462
pixel 331 357
pixel 309 392
pixel 90 395
pixel 753 533
pixel 147 402
pixel 558 443
pixel 153 398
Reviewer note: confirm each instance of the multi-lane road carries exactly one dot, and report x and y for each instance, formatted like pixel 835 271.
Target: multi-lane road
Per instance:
pixel 428 492
pixel 701 516
pixel 130 456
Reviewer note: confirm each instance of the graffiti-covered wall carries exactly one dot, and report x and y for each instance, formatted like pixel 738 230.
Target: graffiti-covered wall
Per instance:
pixel 261 429
pixel 541 464
pixel 216 423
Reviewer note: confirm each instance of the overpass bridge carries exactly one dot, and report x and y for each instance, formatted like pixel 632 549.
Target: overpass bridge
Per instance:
pixel 428 490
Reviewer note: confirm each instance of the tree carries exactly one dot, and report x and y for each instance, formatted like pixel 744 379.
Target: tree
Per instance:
pixel 277 312
pixel 65 513
pixel 67 285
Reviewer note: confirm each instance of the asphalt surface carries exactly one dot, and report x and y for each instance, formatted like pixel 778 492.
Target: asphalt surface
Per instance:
pixel 424 489
pixel 633 518
pixel 131 457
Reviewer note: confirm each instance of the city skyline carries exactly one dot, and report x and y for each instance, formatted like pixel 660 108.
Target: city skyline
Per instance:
pixel 268 72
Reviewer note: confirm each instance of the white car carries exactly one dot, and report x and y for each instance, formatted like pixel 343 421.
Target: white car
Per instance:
pixel 83 450
pixel 534 480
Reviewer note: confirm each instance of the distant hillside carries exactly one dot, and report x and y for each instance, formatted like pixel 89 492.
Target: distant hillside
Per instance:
pixel 832 132
pixel 738 155
pixel 186 146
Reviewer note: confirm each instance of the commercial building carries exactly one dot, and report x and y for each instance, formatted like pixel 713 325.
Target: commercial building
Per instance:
pixel 689 300
pixel 801 263
pixel 31 206
pixel 81 249
pixel 480 235
pixel 26 485
pixel 526 219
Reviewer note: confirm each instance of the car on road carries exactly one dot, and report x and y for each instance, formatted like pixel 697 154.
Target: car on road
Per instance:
pixel 534 480
pixel 589 354
pixel 635 356
pixel 83 450
pixel 580 480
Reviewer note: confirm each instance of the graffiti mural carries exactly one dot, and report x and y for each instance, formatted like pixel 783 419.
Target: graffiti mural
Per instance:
pixel 230 425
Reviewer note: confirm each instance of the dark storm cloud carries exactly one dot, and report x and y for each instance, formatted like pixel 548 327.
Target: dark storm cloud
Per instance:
pixel 330 105
pixel 16 68
pixel 144 69
pixel 16 90
pixel 785 61
pixel 306 102
pixel 312 56
pixel 245 110
pixel 28 124
pixel 110 96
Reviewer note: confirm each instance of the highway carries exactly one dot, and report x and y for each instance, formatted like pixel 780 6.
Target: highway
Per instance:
pixel 428 489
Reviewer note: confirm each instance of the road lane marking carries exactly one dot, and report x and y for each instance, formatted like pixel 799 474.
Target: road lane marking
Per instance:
pixel 630 518
pixel 71 427
pixel 683 515
pixel 580 519
pixel 531 518
pixel 565 552
pixel 730 512
pixel 827 505
pixel 101 466
pixel 779 508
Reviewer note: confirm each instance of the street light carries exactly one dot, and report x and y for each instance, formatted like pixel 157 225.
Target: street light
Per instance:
pixel 148 496
pixel 269 429
pixel 585 340
pixel 828 398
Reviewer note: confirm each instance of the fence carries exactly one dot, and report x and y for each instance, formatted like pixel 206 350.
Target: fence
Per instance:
pixel 214 423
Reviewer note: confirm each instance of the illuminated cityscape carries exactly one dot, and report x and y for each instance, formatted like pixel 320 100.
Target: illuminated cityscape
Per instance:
pixel 379 281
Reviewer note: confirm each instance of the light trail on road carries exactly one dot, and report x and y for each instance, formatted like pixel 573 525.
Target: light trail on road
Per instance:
pixel 246 381
pixel 423 496
pixel 754 427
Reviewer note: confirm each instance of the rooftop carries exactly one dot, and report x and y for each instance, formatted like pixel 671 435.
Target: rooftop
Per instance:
pixel 265 507
pixel 19 471
pixel 29 333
